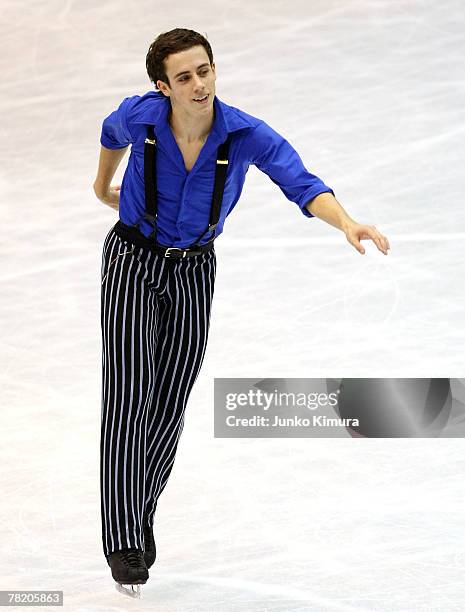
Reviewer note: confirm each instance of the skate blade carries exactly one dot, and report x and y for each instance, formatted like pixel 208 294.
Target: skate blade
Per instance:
pixel 131 590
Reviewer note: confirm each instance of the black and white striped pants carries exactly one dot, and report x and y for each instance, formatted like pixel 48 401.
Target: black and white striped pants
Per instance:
pixel 155 315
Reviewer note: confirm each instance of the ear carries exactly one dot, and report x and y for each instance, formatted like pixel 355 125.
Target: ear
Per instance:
pixel 161 85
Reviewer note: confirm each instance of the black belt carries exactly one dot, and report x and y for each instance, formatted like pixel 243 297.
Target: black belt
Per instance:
pixel 134 236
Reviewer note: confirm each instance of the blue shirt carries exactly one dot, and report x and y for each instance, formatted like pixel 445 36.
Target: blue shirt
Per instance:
pixel 184 198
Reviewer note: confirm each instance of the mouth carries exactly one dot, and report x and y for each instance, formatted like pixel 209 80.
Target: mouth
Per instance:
pixel 203 100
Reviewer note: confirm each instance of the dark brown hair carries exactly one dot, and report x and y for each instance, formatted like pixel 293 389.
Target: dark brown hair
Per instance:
pixel 170 42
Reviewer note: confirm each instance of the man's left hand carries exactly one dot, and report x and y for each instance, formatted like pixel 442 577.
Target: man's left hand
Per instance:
pixel 356 232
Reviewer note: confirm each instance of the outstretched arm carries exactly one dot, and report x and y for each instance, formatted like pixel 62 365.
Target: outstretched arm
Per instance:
pixel 326 207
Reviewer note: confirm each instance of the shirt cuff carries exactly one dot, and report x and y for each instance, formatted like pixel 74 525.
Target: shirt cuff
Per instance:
pixel 309 197
pixel 110 144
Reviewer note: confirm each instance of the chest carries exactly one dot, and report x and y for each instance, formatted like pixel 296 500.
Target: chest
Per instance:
pixel 190 153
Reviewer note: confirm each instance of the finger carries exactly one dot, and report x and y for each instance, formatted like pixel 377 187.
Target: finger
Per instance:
pixel 378 240
pixel 380 243
pixel 385 243
pixel 382 246
pixel 356 243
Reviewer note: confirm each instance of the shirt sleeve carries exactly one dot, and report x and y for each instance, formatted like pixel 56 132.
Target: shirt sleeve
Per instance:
pixel 115 131
pixel 273 155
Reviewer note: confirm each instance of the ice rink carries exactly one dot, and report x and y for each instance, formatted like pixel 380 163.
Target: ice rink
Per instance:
pixel 372 96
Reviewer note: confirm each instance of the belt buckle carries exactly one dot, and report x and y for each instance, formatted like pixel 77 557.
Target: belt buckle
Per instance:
pixel 168 254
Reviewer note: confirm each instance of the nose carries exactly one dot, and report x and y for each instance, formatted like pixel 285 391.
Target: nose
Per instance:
pixel 198 82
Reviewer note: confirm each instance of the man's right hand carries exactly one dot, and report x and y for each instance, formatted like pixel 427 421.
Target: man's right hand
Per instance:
pixel 108 163
pixel 111 197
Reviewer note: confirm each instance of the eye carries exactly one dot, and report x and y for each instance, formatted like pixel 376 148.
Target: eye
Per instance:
pixel 203 73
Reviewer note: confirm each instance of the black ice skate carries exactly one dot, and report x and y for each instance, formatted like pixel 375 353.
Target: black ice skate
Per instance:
pixel 150 551
pixel 128 568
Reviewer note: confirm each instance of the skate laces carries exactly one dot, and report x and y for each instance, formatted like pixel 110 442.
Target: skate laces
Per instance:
pixel 131 557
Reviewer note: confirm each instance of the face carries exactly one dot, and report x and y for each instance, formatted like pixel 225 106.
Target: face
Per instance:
pixel 191 76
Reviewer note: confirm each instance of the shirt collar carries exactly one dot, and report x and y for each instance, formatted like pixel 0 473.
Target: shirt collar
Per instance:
pixel 227 118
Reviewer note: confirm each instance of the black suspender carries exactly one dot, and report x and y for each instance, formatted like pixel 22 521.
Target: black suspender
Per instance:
pixel 218 189
pixel 150 179
pixel 150 176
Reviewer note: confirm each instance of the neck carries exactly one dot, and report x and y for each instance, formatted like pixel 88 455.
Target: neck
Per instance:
pixel 188 128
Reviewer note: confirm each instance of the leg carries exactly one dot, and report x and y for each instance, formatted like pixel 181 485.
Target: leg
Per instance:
pixel 182 340
pixel 128 319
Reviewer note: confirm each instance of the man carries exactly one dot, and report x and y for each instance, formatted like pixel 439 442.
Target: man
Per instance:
pixel 189 156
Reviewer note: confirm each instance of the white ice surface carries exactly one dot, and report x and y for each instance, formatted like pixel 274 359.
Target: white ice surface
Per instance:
pixel 371 94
